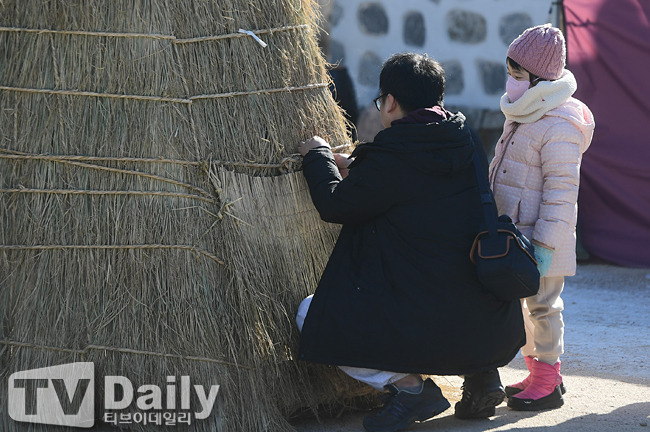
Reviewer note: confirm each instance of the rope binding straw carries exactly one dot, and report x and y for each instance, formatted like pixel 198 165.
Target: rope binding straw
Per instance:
pixel 241 33
pixel 189 100
pixel 88 348
pixel 173 39
pixel 286 162
pixel 114 247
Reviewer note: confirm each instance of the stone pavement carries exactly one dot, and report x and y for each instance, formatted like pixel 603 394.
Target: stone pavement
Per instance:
pixel 606 365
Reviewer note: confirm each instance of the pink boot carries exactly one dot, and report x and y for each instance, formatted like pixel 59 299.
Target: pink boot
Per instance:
pixel 543 390
pixel 513 389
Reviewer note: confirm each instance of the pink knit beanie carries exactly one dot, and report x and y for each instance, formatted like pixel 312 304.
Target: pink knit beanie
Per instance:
pixel 541 51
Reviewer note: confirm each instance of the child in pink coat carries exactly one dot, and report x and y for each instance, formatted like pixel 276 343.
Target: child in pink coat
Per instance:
pixel 535 176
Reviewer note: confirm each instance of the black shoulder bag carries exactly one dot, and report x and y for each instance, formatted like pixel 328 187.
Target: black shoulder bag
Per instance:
pixel 504 257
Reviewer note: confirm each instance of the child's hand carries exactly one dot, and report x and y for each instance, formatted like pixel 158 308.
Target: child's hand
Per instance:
pixel 543 256
pixel 311 143
pixel 342 162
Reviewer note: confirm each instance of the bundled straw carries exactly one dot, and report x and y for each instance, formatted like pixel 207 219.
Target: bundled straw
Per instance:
pixel 153 217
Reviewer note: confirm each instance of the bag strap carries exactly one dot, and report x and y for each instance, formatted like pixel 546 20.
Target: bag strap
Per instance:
pixel 487 200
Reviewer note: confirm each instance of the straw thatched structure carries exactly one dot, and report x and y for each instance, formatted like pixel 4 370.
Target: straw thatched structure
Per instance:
pixel 153 218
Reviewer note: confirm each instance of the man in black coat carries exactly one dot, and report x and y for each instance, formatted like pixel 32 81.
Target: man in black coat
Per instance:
pixel 399 296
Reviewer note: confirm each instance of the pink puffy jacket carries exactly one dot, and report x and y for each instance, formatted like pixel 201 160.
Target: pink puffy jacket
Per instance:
pixel 535 175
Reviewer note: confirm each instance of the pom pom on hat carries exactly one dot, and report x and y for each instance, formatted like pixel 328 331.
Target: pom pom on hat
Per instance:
pixel 540 50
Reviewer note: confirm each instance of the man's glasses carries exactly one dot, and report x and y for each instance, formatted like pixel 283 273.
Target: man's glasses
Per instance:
pixel 377 102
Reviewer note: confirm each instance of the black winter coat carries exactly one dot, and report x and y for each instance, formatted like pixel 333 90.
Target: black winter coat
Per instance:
pixel 399 292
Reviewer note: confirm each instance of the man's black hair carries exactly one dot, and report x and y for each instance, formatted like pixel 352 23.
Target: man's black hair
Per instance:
pixel 414 80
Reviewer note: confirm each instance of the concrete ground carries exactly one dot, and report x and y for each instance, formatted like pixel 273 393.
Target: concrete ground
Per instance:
pixel 606 365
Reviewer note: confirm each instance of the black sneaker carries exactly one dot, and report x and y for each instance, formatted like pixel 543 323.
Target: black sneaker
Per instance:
pixel 481 393
pixel 403 408
pixel 553 400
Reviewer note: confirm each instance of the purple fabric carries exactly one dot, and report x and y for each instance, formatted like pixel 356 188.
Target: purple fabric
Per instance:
pixel 434 114
pixel 609 53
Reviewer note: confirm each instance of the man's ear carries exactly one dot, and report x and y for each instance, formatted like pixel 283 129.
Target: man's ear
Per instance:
pixel 391 103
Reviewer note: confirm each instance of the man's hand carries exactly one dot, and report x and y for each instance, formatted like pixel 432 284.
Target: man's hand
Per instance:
pixel 311 143
pixel 342 162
